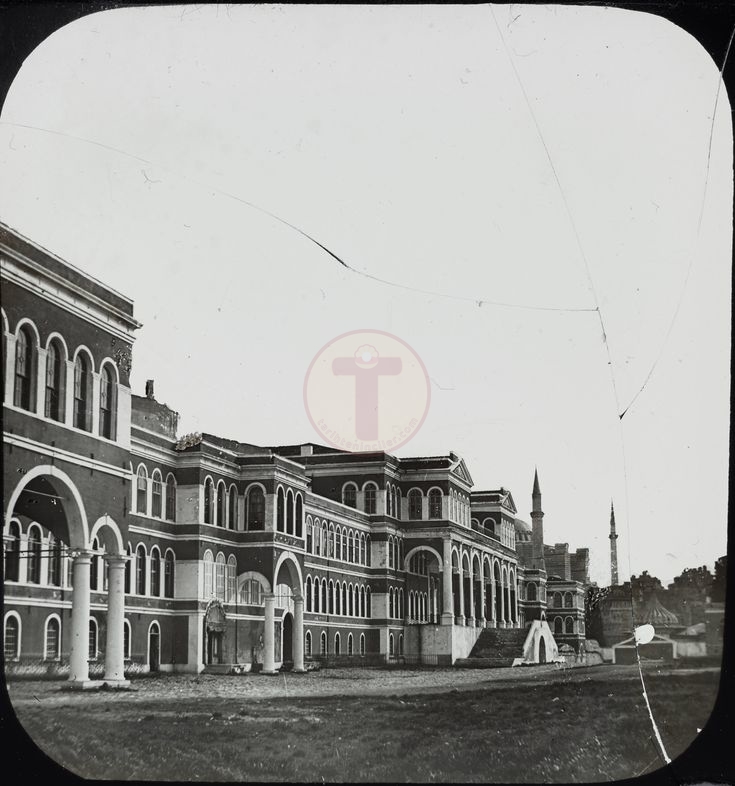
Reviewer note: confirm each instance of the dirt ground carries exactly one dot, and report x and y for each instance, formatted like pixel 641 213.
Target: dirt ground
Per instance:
pixel 500 725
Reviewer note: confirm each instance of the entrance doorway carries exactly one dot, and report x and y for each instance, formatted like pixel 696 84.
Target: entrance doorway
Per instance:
pixel 154 647
pixel 287 639
pixel 542 651
pixel 214 647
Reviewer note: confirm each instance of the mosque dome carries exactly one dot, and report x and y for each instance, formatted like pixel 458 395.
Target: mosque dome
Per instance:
pixel 654 613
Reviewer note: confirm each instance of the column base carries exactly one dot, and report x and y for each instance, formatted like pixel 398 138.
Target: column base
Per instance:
pixel 117 684
pixel 82 684
pixel 447 619
pixel 470 622
pixel 481 623
pixel 268 671
pixel 298 671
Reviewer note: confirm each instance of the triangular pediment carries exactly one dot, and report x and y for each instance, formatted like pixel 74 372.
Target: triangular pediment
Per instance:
pixel 507 502
pixel 459 469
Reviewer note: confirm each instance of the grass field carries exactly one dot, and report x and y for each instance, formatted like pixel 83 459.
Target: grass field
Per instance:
pixel 586 725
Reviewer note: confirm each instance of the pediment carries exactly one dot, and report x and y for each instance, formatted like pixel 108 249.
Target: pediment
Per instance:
pixel 459 470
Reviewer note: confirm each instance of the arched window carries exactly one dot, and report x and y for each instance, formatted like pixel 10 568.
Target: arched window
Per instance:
pixel 94 568
pixel 435 504
pixel 371 494
pixel 208 574
pixel 368 603
pixel 231 579
pixel 25 363
pixel 12 553
pixel 568 601
pixel 140 570
pixel 362 644
pixel 349 495
pixel 336 644
pixel 82 392
pixel 168 574
pixel 531 592
pixel 299 526
pixel 220 567
pixel 338 543
pixel 351 604
pixel 220 504
pixel 391 553
pixel 350 650
pixel 93 645
pixel 390 603
pixel 155 572
pixel 414 504
pixel 208 500
pixel 331 598
pixel 400 644
pixel 251 593
pixel 170 498
pixel 280 511
pixel 345 552
pixel 391 645
pixel 156 495
pixel 324 603
pixel 367 550
pixel 34 555
pixel 52 638
pixel 289 512
pixel 141 495
pixel 323 643
pixel 307 593
pixel 54 561
pixel 11 637
pixel 558 626
pixel 127 640
pixel 128 571
pixel 232 510
pixel 108 402
pixel 54 400
pixel 568 625
pixel 255 512
pixel 307 644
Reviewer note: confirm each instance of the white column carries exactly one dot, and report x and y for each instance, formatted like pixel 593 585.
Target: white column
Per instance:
pixel 298 633
pixel 462 616
pixel 471 615
pixel 501 621
pixel 115 642
pixel 482 621
pixel 9 367
pixel 41 382
pixel 79 658
pixel 269 663
pixel 447 599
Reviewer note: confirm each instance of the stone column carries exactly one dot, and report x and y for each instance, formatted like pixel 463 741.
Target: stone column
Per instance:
pixel 462 615
pixel 115 642
pixel 482 621
pixel 269 641
pixel 298 633
pixel 471 615
pixel 447 599
pixel 501 588
pixel 79 658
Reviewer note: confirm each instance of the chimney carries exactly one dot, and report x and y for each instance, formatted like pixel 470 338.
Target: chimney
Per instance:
pixel 149 389
pixel 307 450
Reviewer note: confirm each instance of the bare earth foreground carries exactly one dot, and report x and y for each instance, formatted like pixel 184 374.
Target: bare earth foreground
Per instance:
pixel 536 724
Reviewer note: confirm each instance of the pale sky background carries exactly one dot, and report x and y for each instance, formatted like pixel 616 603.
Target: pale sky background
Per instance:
pixel 400 138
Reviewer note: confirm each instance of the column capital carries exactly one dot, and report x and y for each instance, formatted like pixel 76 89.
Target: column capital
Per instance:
pixel 116 560
pixel 81 555
pixel 298 598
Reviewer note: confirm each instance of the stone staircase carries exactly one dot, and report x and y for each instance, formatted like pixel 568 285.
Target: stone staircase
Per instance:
pixel 495 648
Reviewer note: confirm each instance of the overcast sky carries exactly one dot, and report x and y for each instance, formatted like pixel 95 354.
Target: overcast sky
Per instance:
pixel 552 159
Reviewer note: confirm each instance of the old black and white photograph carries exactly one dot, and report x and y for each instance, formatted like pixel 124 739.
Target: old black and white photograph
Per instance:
pixel 366 392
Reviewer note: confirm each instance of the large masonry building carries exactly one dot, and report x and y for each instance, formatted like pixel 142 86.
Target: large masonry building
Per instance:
pixel 128 548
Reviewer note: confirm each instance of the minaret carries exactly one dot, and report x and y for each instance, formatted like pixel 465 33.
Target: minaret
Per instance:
pixel 537 533
pixel 613 548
